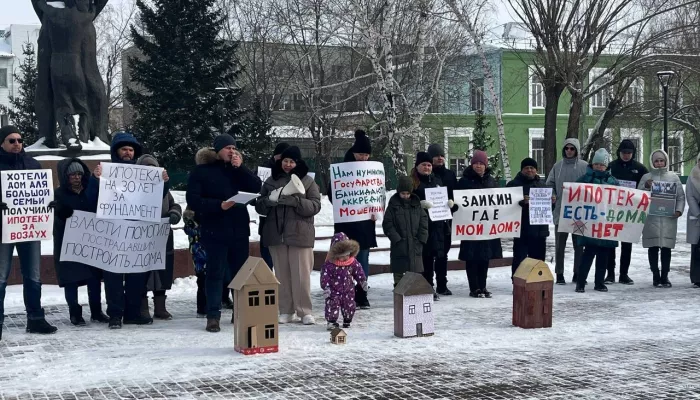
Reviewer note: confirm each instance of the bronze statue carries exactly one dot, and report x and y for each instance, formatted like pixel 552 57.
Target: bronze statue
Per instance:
pixel 69 81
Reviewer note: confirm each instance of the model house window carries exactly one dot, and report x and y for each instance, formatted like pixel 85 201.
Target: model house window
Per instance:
pixel 477 95
pixel 269 297
pixel 3 77
pixel 253 299
pixel 537 152
pixel 536 92
pixel 426 308
pixel 675 152
pixel 269 331
pixel 412 309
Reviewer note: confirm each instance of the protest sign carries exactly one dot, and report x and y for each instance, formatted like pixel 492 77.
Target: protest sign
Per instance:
pixel 627 184
pixel 663 199
pixel 540 206
pixel 357 191
pixel 487 214
pixel 438 197
pixel 27 194
pixel 603 211
pixel 117 246
pixel 130 192
pixel 264 173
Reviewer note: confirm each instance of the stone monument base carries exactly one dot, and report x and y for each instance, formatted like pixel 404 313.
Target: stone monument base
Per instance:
pixel 91 154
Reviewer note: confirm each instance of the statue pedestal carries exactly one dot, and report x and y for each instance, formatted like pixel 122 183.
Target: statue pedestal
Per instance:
pixel 92 154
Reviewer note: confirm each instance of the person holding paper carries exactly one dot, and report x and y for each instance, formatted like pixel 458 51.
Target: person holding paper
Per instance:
pixel 270 163
pixel 568 169
pixel 533 238
pixel 13 157
pixel 290 234
pixel 692 236
pixel 225 225
pixel 627 170
pixel 478 253
pixel 659 234
pixel 71 195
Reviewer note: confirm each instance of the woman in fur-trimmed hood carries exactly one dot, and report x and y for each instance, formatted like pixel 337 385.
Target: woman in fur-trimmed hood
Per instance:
pixel 337 275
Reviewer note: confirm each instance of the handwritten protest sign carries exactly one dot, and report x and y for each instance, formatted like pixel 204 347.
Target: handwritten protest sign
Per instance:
pixel 487 214
pixel 663 199
pixel 540 206
pixel 27 194
pixel 357 190
pixel 130 192
pixel 603 211
pixel 264 173
pixel 117 246
pixel 438 197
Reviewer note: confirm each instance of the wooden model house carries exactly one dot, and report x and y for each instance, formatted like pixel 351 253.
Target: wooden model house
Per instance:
pixel 338 336
pixel 255 308
pixel 413 307
pixel 533 285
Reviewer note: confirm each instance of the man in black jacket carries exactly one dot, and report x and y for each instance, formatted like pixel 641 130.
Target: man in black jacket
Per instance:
pixel 628 172
pixel 13 157
pixel 264 251
pixel 224 225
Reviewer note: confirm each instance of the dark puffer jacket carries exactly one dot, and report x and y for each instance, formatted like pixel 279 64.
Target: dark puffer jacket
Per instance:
pixel 631 170
pixel 526 183
pixel 478 250
pixel 406 226
pixel 439 231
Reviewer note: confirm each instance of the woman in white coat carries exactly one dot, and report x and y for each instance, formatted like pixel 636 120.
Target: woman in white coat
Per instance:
pixel 692 191
pixel 660 232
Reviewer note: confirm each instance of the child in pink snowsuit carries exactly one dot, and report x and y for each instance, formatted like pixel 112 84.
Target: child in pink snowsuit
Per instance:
pixel 337 279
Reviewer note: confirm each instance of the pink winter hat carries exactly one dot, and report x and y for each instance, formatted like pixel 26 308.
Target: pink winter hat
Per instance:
pixel 480 156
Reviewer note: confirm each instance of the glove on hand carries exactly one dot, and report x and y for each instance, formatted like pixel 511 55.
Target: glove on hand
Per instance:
pixel 364 285
pixel 291 201
pixel 174 218
pixel 450 203
pixel 326 293
pixel 426 204
pixel 52 204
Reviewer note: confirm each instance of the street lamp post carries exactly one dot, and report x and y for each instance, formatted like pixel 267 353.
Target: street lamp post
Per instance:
pixel 664 78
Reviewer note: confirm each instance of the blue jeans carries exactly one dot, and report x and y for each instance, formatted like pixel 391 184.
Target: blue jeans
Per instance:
pixel 29 257
pixel 363 259
pixel 93 289
pixel 265 253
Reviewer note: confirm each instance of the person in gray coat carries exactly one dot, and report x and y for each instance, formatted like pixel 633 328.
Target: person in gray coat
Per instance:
pixel 660 232
pixel 692 236
pixel 568 169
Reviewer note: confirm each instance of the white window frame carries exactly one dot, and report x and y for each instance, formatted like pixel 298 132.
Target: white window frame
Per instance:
pixel 535 133
pixel 412 309
pixel 7 77
pixel 479 92
pixel 530 83
pixel 284 103
pixel 635 133
pixel 595 74
pixel 637 84
pixel 456 132
pixel 609 133
pixel 675 135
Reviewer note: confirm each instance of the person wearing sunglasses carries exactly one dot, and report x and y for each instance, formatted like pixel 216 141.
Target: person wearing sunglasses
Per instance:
pixel 13 157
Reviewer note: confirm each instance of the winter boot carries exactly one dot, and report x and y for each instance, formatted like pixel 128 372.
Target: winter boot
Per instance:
pixel 486 293
pixel 213 325
pixel 610 278
pixel 138 320
pixel 560 279
pixel 600 287
pixel 115 323
pixel 159 310
pixel 580 289
pixel 696 285
pixel 40 326
pixel 656 278
pixel 76 315
pixel 625 280
pixel 664 280
pixel 475 294
pixel 444 291
pixel 144 311
pixel 96 314
pixel 346 323
pixel 574 279
pixel 435 296
pixel 332 325
pixel 361 298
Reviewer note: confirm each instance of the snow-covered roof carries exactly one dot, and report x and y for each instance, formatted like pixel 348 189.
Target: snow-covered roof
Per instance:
pixel 299 132
pixel 5 49
pixel 96 144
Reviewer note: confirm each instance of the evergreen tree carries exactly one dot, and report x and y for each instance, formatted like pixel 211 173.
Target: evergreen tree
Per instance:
pixel 21 110
pixel 177 106
pixel 253 136
pixel 482 140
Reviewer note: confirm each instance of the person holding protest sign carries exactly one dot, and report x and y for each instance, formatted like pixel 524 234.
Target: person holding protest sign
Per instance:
pixel 599 249
pixel 13 157
pixel 478 253
pixel 692 236
pixel 533 238
pixel 406 225
pixel 363 232
pixel 628 172
pixel 659 234
pixel 568 169
pixel 71 195
pixel 161 280
pixel 277 153
pixel 290 234
pixel 225 224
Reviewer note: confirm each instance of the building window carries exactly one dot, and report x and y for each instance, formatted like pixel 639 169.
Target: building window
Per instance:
pixel 675 152
pixel 536 92
pixel 457 165
pixel 4 119
pixel 412 309
pixel 3 77
pixel 426 308
pixel 635 93
pixel 269 297
pixel 284 103
pixel 253 298
pixel 602 97
pixel 477 95
pixel 537 145
pixel 269 331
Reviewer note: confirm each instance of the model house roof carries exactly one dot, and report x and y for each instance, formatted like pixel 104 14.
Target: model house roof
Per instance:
pixel 413 284
pixel 532 270
pixel 254 272
pixel 338 332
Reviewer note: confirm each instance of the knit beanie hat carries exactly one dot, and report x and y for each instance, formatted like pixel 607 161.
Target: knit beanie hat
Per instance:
pixel 291 152
pixel 405 184
pixel 148 160
pixel 423 157
pixel 362 143
pixel 74 168
pixel 222 141
pixel 480 156
pixel 435 150
pixel 601 156
pixel 280 148
pixel 6 131
pixel 528 162
pixel 626 145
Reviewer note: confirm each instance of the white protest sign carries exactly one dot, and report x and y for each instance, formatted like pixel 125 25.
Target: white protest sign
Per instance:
pixel 130 191
pixel 357 191
pixel 487 213
pixel 541 206
pixel 603 211
pixel 27 194
pixel 627 184
pixel 264 173
pixel 438 197
pixel 117 246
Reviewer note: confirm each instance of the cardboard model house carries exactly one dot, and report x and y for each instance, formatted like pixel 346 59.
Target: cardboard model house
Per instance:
pixel 533 286
pixel 338 336
pixel 255 308
pixel 413 307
